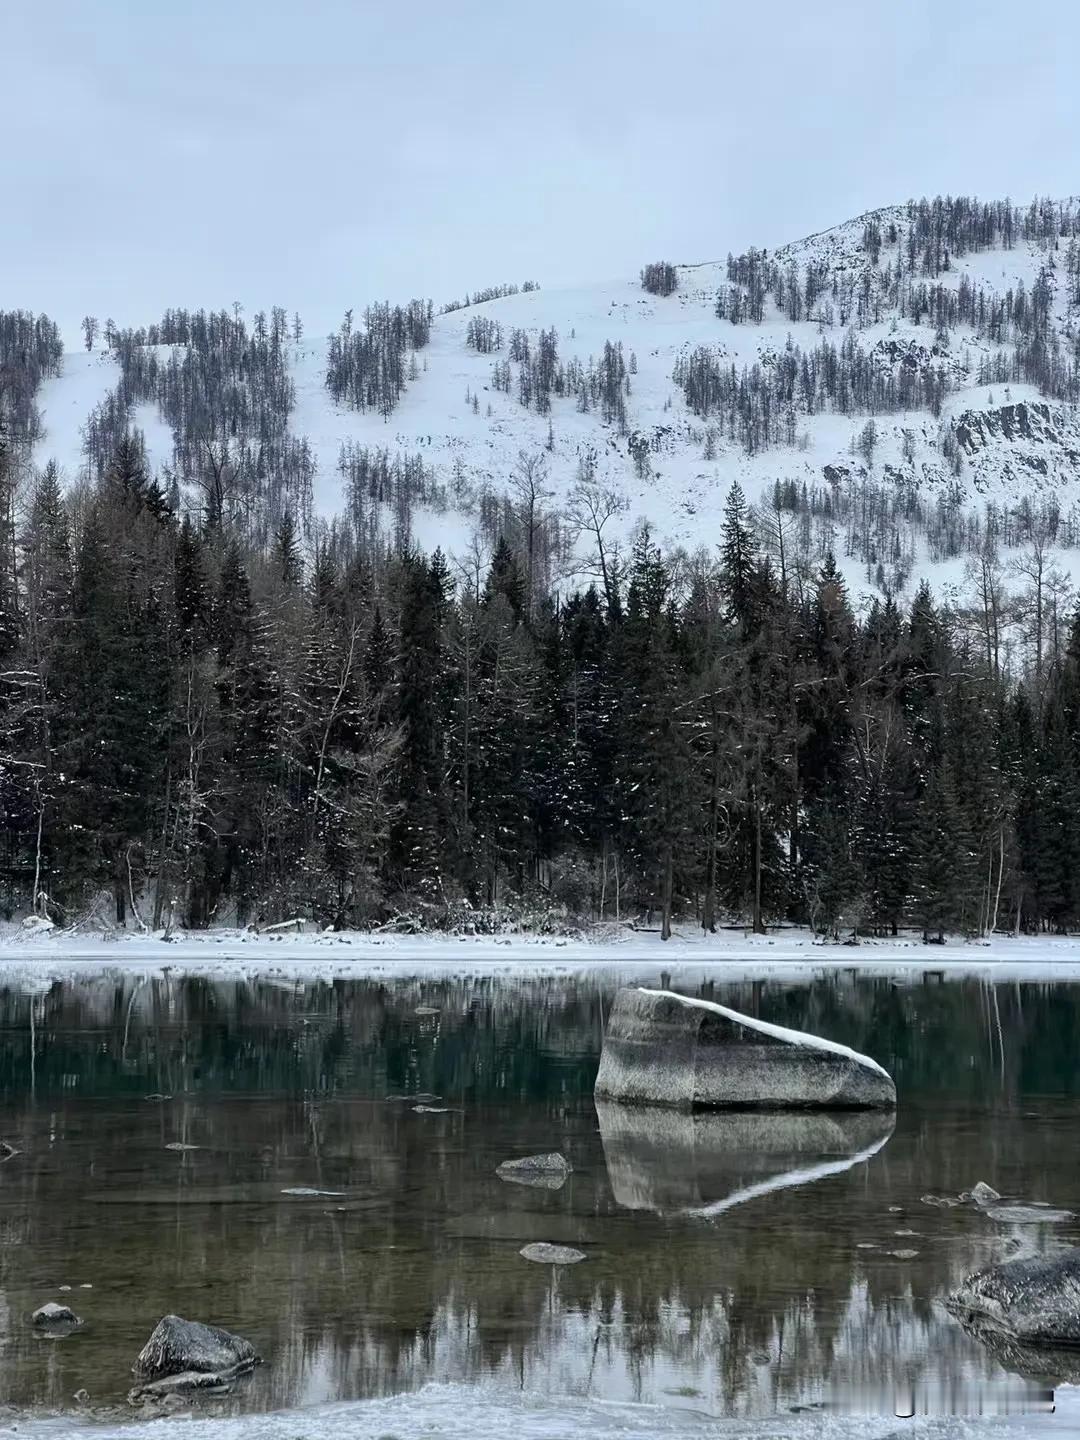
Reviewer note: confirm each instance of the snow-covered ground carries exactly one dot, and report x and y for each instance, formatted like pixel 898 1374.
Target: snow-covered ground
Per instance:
pixel 460 1412
pixel 788 954
pixel 684 493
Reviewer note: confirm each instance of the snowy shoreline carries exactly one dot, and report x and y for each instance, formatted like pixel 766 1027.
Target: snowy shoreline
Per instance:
pixel 785 955
pixel 460 1412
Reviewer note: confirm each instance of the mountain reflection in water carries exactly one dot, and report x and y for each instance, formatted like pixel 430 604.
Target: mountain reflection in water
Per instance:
pixel 735 1264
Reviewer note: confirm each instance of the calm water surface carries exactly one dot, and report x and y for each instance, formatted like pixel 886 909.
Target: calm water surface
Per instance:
pixel 736 1265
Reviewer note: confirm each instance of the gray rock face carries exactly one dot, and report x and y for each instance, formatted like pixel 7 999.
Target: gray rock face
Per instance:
pixel 666 1049
pixel 547 1172
pixel 706 1163
pixel 543 1254
pixel 178 1346
pixel 1033 1301
pixel 53 1316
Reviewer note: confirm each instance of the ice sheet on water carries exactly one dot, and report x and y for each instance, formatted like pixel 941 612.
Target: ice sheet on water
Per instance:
pixel 460 1412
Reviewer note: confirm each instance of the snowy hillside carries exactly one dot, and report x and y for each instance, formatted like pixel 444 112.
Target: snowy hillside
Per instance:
pixel 1005 444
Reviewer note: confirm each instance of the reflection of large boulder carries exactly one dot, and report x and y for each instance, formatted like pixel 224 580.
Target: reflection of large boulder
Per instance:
pixel 1036 1302
pixel 707 1162
pixel 1055 1364
pixel 666 1049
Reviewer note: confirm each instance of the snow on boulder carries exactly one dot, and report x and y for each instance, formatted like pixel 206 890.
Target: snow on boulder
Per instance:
pixel 178 1346
pixel 666 1049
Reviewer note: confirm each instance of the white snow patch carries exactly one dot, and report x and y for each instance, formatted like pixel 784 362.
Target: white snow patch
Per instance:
pixel 801 1038
pixel 461 1412
pixel 791 1179
pixel 37 961
pixel 65 402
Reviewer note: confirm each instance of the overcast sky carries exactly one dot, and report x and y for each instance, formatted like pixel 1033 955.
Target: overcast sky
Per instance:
pixel 323 153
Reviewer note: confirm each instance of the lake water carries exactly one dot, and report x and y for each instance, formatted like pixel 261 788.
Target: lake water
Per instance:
pixel 739 1266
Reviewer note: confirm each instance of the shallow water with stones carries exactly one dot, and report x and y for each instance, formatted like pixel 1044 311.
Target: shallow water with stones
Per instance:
pixel 250 1153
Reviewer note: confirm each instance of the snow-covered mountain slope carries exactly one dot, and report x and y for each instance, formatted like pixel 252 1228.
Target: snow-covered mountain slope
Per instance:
pixel 1003 443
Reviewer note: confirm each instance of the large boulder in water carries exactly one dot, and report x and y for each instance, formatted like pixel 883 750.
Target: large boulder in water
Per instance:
pixel 180 1347
pixel 1036 1302
pixel 666 1049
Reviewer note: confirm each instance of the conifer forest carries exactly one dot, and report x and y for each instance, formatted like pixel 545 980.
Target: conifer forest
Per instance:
pixel 221 704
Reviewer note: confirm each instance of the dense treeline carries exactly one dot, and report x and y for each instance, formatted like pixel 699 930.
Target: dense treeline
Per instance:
pixel 198 728
pixel 30 351
pixel 660 278
pixel 759 406
pixel 368 369
pixel 602 384
pixel 226 393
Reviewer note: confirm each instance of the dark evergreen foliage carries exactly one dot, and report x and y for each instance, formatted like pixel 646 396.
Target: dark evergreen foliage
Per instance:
pixel 197 728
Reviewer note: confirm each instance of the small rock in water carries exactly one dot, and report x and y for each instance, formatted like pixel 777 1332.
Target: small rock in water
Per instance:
pixel 181 1145
pixel 421 1097
pixel 63 1287
pixel 51 1314
pixel 1028 1214
pixel 156 1097
pixel 905 1232
pixel 426 1010
pixel 548 1171
pixel 983 1194
pixel 903 1254
pixel 943 1202
pixel 431 1110
pixel 86 1285
pixel 81 1397
pixel 543 1254
pixel 866 1245
pixel 896 1209
pixel 304 1192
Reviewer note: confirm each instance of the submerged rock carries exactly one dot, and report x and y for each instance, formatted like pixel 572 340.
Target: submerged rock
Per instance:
pixel 173 1387
pixel 666 1049
pixel 709 1162
pixel 53 1316
pixel 982 1194
pixel 178 1346
pixel 6 1150
pixel 1035 1301
pixel 543 1254
pixel 1033 1214
pixel 548 1172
